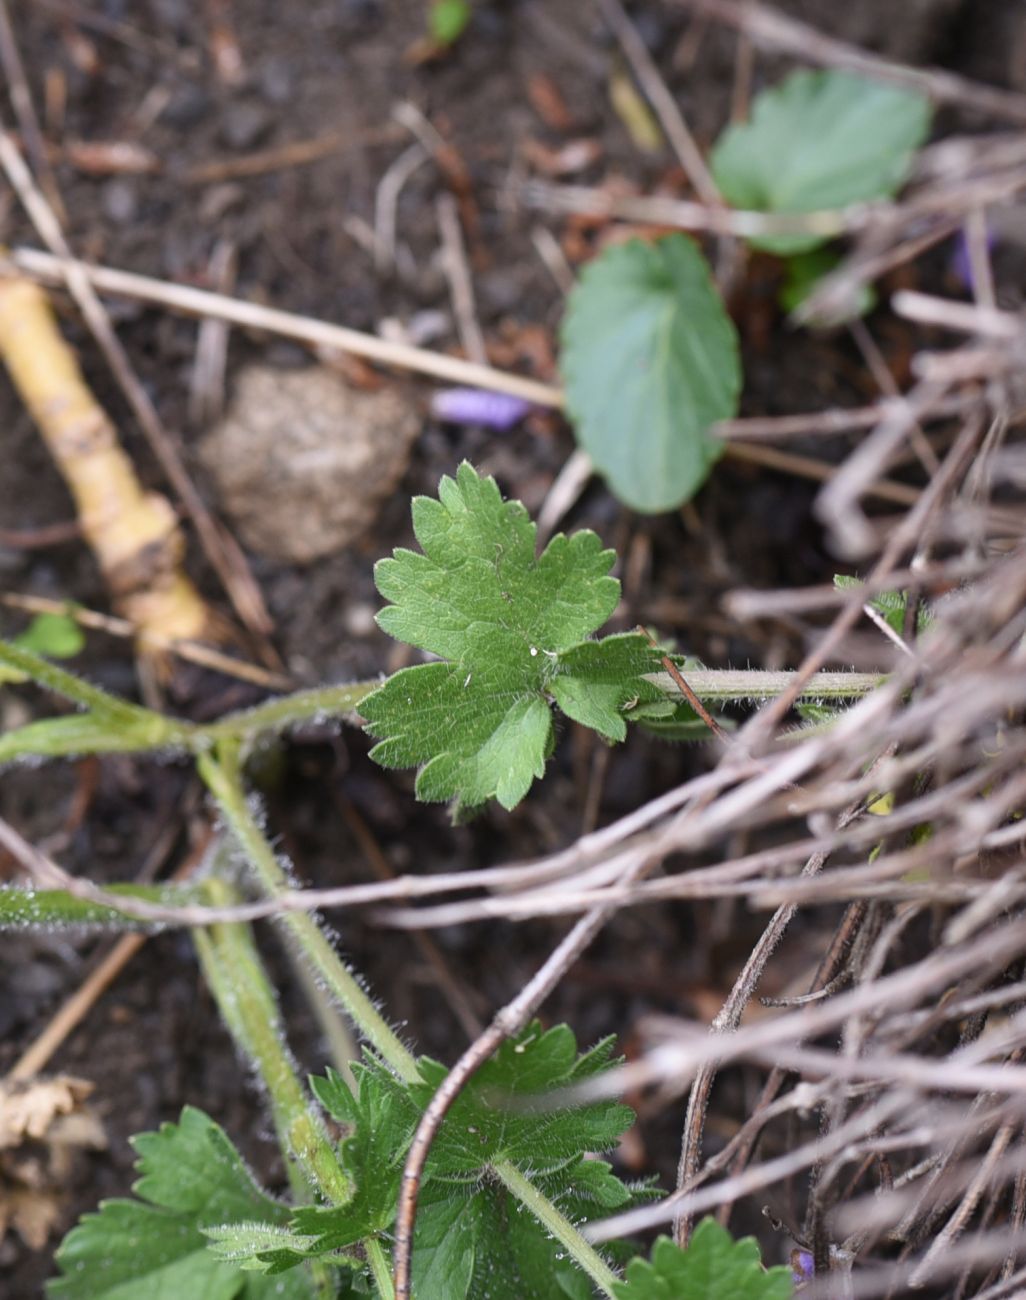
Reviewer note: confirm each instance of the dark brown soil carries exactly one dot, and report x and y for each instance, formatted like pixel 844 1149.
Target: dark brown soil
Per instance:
pixel 154 1041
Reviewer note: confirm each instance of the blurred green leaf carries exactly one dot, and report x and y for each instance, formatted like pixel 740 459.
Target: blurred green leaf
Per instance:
pixel 650 361
pixel 56 636
pixel 713 1267
pixel 804 271
pixel 447 20
pixel 819 141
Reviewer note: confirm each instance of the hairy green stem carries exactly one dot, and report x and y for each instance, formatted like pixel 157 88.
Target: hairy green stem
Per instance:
pixel 555 1222
pixel 224 780
pixel 83 693
pixel 380 1267
pixel 287 711
pixel 57 907
pixel 723 685
pixel 246 1001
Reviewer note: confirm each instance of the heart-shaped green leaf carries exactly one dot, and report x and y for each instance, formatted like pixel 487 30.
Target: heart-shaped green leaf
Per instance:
pixel 650 361
pixel 817 142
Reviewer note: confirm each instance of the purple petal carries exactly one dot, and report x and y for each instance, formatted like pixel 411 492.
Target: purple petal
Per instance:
pixel 802 1267
pixel 961 264
pixel 479 406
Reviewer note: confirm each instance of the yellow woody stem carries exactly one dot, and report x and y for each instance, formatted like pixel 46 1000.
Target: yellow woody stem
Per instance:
pixel 133 533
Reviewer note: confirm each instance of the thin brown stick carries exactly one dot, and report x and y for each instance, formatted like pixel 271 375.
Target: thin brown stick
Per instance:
pixel 820 471
pixel 833 421
pixel 25 111
pixel 958 1221
pixel 295 153
pixel 457 272
pixel 36 538
pixel 965 317
pixel 305 329
pixel 727 1020
pixel 681 683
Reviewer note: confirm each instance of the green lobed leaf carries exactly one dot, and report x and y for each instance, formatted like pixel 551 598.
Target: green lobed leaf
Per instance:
pixel 510 628
pixel 153 1248
pixel 602 683
pixel 379 1120
pixel 473 1237
pixel 713 1267
pixel 493 1120
pixel 650 361
pixel 819 141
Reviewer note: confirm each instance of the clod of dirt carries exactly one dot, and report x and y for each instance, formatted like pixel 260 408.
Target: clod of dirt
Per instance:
pixel 302 460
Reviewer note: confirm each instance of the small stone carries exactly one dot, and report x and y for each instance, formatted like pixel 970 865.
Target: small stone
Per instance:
pixel 245 124
pixel 359 620
pixel 283 354
pixel 120 201
pixel 276 81
pixel 302 461
pixel 186 108
pixel 359 15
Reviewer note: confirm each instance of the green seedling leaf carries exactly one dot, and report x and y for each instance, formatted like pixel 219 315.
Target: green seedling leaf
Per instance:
pixel 447 20
pixel 804 273
pixel 475 1239
pixel 819 141
pixel 713 1267
pixel 650 361
pixel 890 605
pixel 509 626
pixel 56 636
pixel 153 1247
pixel 259 1247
